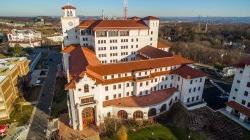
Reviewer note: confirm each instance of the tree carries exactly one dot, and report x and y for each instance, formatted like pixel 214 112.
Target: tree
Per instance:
pixel 17 51
pixel 122 133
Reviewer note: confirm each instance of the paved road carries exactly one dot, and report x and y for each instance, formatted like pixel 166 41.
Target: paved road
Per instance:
pixel 39 120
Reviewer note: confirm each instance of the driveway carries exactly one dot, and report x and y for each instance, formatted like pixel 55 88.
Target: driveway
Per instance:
pixel 41 114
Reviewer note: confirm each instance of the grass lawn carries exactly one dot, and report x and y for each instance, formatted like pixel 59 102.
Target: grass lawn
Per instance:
pixel 154 132
pixel 22 116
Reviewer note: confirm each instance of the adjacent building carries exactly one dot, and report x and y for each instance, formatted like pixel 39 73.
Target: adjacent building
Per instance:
pixel 117 68
pixel 12 71
pixel 25 38
pixel 239 100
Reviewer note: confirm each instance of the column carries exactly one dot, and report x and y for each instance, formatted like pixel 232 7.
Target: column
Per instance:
pixel 242 117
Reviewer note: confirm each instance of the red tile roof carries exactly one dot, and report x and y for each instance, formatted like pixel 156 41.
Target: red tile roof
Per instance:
pixel 243 63
pixel 151 18
pixel 113 24
pixel 153 52
pixel 116 68
pixel 84 61
pixel 68 7
pixel 79 59
pixel 242 109
pixel 142 101
pixel 188 72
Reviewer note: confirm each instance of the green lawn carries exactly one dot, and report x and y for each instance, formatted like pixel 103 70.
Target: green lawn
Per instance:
pixel 155 132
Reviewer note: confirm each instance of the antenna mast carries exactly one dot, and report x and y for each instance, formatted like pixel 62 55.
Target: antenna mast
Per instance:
pixel 125 9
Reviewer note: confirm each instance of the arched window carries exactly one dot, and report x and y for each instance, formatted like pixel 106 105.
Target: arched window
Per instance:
pixel 68 13
pixel 86 88
pixel 171 101
pixel 122 114
pixel 138 115
pixel 71 14
pixel 151 112
pixel 163 108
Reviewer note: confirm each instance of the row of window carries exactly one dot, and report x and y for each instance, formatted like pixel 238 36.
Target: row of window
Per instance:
pixel 120 95
pixel 194 89
pixel 114 40
pixel 146 73
pixel 243 102
pixel 193 99
pixel 132 93
pixel 102 55
pixel 84 39
pixel 115 48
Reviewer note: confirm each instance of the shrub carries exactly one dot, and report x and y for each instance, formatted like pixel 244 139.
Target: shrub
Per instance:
pixel 122 133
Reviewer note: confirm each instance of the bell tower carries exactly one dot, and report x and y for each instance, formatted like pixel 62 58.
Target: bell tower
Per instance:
pixel 70 23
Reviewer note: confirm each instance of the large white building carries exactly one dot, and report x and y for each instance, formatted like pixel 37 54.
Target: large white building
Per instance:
pixel 25 38
pixel 239 100
pixel 117 68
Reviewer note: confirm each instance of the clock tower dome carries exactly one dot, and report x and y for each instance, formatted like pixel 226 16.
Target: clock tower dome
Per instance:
pixel 70 23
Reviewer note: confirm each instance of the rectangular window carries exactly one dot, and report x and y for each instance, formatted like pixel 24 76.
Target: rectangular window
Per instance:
pixel 248 84
pixel 114 96
pixel 106 88
pixel 243 102
pixel 241 71
pixel 197 98
pixel 101 34
pixel 114 87
pixel 141 84
pixel 246 93
pixel 119 86
pixel 107 98
pixel 124 33
pixel 248 105
pixel 191 82
pixel 113 33
pixel 120 95
pixel 127 84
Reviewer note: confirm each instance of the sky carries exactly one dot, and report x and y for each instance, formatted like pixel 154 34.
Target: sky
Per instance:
pixel 222 8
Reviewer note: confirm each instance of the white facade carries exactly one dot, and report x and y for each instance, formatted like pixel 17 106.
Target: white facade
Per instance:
pixel 240 88
pixel 112 49
pixel 122 45
pixel 70 23
pixel 239 99
pixel 100 94
pixel 25 38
